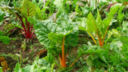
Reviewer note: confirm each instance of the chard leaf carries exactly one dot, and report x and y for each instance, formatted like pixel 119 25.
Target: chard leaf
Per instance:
pixel 120 14
pixel 107 21
pixel 28 8
pixel 56 38
pixel 99 23
pixel 91 23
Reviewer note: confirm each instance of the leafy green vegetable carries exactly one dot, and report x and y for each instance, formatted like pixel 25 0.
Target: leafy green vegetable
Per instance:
pixel 112 56
pixel 98 26
pixel 39 65
pixel 28 8
pixel 53 34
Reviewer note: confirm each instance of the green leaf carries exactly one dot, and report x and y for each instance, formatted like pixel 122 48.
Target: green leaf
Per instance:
pixel 113 10
pixel 56 38
pixel 5 39
pixel 49 31
pixel 1 69
pixel 59 4
pixel 71 39
pixel 82 24
pixel 28 8
pixel 42 30
pixel 17 68
pixel 108 20
pixel 91 23
pixel 120 14
pixel 27 69
pixel 1 33
pixel 1 17
pixel 99 22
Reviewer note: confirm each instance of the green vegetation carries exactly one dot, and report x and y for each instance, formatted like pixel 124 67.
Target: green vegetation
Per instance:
pixel 63 36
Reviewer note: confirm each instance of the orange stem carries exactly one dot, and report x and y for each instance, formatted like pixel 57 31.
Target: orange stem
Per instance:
pixel 100 40
pixel 62 58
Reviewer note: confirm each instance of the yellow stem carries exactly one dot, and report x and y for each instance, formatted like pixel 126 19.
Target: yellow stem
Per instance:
pixel 92 38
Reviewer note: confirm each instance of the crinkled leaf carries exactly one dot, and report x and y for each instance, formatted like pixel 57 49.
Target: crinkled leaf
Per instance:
pixel 42 30
pixel 49 31
pixel 56 38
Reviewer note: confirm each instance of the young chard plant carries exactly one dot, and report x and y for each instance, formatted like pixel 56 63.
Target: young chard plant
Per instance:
pixel 56 36
pixel 25 12
pixel 100 27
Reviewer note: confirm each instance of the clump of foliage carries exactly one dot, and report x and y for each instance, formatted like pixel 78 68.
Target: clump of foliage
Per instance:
pixel 1 16
pixel 39 65
pixel 4 39
pixel 57 25
pixel 25 12
pixel 57 35
pixel 100 27
pixel 111 57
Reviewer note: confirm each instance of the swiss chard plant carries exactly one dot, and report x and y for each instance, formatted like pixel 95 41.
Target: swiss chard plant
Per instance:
pixel 25 12
pixel 99 27
pixel 30 9
pixel 57 36
pixel 112 58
